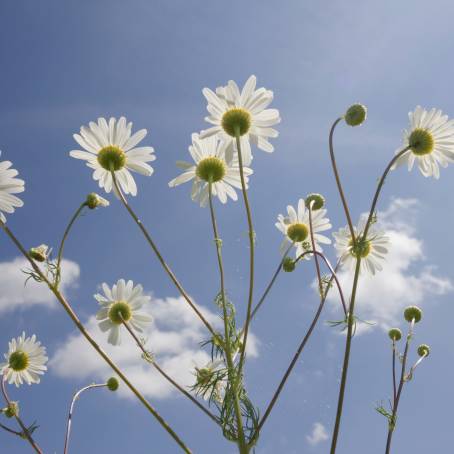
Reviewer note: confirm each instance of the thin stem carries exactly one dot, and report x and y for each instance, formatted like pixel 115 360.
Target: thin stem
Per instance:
pixel 71 409
pixel 11 431
pixel 399 391
pixel 338 182
pixel 167 377
pixel 296 355
pixel 159 256
pixel 394 371
pixel 65 236
pixel 354 289
pixel 273 279
pixel 251 251
pixel 25 431
pixel 348 343
pixel 227 342
pixel 69 310
pixel 317 266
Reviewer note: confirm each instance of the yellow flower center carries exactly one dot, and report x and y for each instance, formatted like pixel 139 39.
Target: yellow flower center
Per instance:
pixel 236 121
pixel 120 311
pixel 361 248
pixel 111 158
pixel 298 232
pixel 18 361
pixel 211 169
pixel 421 142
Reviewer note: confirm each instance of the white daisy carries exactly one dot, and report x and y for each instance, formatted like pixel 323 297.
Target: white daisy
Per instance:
pixel 9 185
pixel 211 162
pixel 296 228
pixel 110 146
pixel 25 361
pixel 246 112
pixel 431 142
pixel 371 250
pixel 121 303
pixel 211 380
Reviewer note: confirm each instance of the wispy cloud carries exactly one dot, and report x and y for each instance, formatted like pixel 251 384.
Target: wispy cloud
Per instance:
pixel 382 297
pixel 318 434
pixel 15 294
pixel 174 338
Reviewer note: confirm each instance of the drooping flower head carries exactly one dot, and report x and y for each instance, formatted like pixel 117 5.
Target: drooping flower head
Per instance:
pixel 244 113
pixel 211 164
pixel 9 185
pixel 431 142
pixel 371 250
pixel 121 303
pixel 111 147
pixel 296 228
pixel 25 361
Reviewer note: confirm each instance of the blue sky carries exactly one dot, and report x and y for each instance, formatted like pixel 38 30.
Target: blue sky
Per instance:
pixel 67 63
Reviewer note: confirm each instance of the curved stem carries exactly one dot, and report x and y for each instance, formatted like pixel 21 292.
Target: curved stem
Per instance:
pixel 317 266
pixel 166 376
pixel 69 310
pixel 71 409
pixel 296 355
pixel 11 431
pixel 65 236
pixel 251 251
pixel 159 256
pixel 394 371
pixel 338 182
pixel 268 288
pixel 25 431
pixel 227 341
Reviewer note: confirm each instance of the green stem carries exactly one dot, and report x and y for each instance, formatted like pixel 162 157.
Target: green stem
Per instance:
pixel 62 244
pixel 251 252
pixel 69 310
pixel 159 256
pixel 242 445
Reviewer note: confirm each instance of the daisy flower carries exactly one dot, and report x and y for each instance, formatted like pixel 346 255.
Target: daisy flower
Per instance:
pixel 25 361
pixel 371 250
pixel 245 113
pixel 211 380
pixel 110 146
pixel 211 163
pixel 9 185
pixel 296 228
pixel 121 303
pixel 430 140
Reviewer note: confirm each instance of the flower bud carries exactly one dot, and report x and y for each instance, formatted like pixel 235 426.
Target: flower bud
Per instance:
pixel 39 253
pixel 94 201
pixel 423 350
pixel 288 265
pixel 317 199
pixel 413 313
pixel 113 384
pixel 395 334
pixel 355 115
pixel 11 410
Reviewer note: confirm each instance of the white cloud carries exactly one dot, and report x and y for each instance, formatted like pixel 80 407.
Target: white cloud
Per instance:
pixel 318 434
pixel 15 294
pixel 174 338
pixel 381 298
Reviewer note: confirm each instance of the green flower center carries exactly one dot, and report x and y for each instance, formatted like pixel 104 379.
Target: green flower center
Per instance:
pixel 421 142
pixel 120 311
pixel 361 248
pixel 18 360
pixel 111 158
pixel 236 121
pixel 211 169
pixel 298 232
pixel 204 376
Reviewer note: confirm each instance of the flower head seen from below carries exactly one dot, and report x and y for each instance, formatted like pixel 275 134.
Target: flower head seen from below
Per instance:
pixel 40 253
pixel 25 361
pixel 121 303
pixel 371 250
pixel 244 113
pixel 430 140
pixel 211 380
pixel 94 201
pixel 296 228
pixel 9 185
pixel 110 147
pixel 211 164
